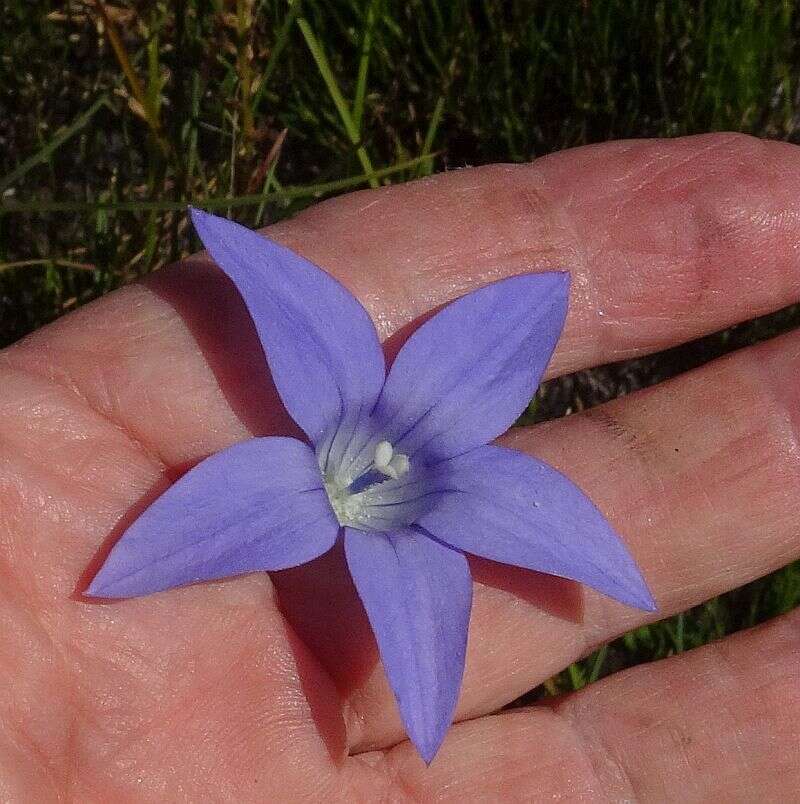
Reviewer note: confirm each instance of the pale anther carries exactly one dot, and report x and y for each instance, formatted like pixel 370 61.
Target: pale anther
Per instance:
pixel 388 462
pixel 389 471
pixel 383 454
pixel 399 463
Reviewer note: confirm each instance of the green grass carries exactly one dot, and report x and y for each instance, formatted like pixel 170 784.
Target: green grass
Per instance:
pixel 104 138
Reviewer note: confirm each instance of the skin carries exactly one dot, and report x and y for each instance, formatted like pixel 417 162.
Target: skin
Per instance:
pixel 268 688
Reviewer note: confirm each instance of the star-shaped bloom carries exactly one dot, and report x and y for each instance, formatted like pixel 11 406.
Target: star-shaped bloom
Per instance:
pixel 396 464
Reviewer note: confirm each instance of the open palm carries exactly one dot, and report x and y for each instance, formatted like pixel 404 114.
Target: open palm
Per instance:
pixel 268 688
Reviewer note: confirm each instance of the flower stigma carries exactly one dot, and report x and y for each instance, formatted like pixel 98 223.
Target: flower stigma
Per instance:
pixel 354 500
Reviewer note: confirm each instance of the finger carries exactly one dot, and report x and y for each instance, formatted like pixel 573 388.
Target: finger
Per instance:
pixel 665 240
pixel 699 475
pixel 721 723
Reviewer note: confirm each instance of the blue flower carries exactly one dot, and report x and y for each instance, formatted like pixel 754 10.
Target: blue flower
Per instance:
pixel 397 464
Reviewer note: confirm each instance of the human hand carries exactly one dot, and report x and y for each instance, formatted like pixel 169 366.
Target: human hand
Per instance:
pixel 230 691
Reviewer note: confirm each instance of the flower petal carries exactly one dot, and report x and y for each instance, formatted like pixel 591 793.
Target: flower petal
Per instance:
pixel 466 374
pixel 417 594
pixel 321 345
pixel 509 507
pixel 258 505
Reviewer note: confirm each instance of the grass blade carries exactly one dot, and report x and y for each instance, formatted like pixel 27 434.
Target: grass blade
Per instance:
pixel 363 66
pixel 50 262
pixel 342 108
pixel 426 166
pixel 288 193
pixel 280 43
pixel 142 97
pixel 44 154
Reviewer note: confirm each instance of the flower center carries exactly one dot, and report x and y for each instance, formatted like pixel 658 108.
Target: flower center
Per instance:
pixel 354 500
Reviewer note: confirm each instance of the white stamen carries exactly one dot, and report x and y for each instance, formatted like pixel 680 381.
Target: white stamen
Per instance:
pixel 396 467
pixel 383 454
pixel 400 464
pixel 388 462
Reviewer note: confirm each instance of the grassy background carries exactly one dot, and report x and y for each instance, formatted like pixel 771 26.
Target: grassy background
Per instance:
pixel 113 116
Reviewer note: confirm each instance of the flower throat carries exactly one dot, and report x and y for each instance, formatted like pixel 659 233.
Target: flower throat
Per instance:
pixel 350 501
